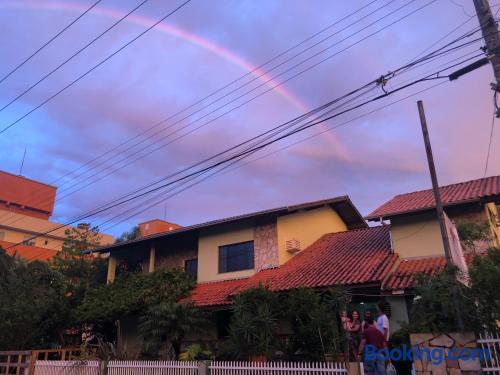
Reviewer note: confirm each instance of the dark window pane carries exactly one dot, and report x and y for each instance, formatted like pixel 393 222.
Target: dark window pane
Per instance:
pixel 236 257
pixel 191 267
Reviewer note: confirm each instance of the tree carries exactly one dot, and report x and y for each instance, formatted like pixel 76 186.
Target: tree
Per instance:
pixel 434 309
pixel 131 295
pixel 254 322
pixel 484 280
pixel 80 271
pixel 479 305
pixel 167 323
pixel 130 235
pixel 473 232
pixel 314 322
pixel 34 311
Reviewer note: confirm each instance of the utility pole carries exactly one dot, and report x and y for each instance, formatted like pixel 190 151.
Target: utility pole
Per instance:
pixel 439 207
pixel 491 37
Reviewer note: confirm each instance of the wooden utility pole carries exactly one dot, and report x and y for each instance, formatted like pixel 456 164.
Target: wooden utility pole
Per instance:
pixel 439 207
pixel 435 185
pixel 489 29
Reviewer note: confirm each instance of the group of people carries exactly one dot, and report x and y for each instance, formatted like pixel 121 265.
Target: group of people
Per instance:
pixel 370 331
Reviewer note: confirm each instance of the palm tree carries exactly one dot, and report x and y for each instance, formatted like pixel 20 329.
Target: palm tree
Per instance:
pixel 169 322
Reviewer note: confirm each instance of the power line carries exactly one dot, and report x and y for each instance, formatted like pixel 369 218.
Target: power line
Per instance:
pixel 71 57
pixel 228 169
pixel 95 66
pixel 250 90
pixel 158 140
pixel 433 54
pixel 49 41
pixel 251 151
pixel 430 55
pixel 294 131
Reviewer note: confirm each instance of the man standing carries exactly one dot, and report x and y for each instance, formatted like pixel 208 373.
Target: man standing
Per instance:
pixel 373 341
pixel 382 321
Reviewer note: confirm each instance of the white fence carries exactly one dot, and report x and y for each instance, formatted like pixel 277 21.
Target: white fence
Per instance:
pixel 276 368
pixel 152 368
pixel 188 368
pixel 67 368
pixel 490 343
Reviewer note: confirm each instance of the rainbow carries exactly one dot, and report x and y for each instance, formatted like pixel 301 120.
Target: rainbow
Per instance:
pixel 167 28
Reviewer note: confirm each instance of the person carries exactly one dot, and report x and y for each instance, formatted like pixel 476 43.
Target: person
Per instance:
pixel 372 336
pixel 346 322
pixel 382 321
pixel 364 325
pixel 354 333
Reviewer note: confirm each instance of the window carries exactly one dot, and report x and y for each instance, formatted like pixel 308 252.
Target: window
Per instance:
pixel 191 267
pixel 29 240
pixel 236 257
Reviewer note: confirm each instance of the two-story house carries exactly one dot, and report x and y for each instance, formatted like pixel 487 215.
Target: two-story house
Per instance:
pixel 416 236
pixel 317 244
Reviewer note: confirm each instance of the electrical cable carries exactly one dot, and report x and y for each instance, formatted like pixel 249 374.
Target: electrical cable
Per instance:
pixel 59 33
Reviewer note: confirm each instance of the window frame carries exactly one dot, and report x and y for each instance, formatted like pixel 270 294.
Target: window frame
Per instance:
pixel 252 259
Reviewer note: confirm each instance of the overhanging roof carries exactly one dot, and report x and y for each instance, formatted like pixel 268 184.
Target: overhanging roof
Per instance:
pixel 343 205
pixel 481 190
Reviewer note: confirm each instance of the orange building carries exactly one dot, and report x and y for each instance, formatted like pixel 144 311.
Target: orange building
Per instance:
pixel 25 209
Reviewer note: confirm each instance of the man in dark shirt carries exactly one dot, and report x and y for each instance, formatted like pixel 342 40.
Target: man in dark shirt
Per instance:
pixel 374 341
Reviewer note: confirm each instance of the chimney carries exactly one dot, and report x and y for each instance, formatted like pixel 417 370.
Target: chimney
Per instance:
pixel 156 226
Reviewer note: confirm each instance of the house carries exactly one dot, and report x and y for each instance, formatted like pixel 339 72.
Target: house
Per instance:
pixel 414 226
pixel 316 245
pixel 416 236
pixel 25 209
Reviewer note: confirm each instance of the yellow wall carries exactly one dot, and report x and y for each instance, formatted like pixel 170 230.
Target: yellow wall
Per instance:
pixel 208 251
pixel 16 236
pixel 416 236
pixel 16 228
pixel 306 227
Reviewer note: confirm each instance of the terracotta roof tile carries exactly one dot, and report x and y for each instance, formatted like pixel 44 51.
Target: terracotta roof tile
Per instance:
pixel 403 277
pixel 29 253
pixel 353 257
pixel 451 194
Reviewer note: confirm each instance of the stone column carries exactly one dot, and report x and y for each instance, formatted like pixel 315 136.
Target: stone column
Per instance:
pixel 111 269
pixel 152 253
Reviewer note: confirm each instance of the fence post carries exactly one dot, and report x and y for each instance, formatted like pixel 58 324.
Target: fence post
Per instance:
pixel 203 368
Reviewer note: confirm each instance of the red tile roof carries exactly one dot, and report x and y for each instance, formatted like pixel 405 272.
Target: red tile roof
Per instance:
pixel 29 253
pixel 361 256
pixel 463 192
pixel 404 275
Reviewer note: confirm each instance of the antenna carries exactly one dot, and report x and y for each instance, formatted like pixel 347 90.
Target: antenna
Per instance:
pixel 22 163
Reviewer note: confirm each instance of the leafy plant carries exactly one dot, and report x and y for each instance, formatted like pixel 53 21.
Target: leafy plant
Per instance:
pixel 195 352
pixel 129 235
pixel 254 322
pixel 167 323
pixel 472 232
pixel 314 322
pixel 434 306
pixel 485 278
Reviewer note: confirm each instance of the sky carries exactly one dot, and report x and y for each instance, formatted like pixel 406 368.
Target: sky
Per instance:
pixel 205 46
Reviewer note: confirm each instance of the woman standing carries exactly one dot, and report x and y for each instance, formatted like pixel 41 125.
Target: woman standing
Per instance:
pixel 354 332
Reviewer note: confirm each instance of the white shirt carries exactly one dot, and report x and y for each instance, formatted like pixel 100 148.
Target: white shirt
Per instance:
pixel 383 322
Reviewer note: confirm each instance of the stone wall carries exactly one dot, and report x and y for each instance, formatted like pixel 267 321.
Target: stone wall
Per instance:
pixel 169 258
pixel 444 342
pixel 266 246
